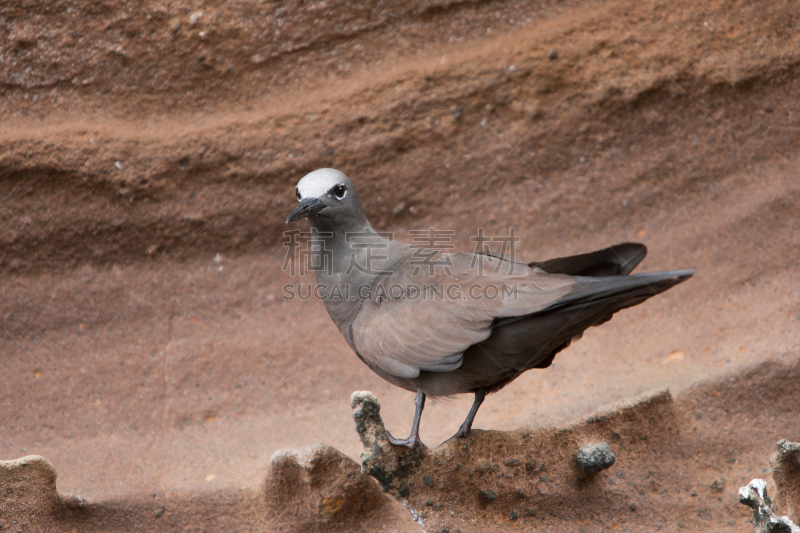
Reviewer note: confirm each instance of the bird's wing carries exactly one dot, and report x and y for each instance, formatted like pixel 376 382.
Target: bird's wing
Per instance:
pixel 617 260
pixel 426 310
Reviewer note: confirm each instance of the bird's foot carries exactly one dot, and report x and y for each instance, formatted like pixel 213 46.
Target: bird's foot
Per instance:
pixel 411 442
pixel 462 433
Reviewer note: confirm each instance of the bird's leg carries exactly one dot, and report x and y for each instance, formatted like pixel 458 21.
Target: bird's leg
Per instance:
pixel 466 427
pixel 413 440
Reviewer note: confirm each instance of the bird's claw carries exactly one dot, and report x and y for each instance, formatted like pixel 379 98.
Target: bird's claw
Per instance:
pixel 412 441
pixel 462 433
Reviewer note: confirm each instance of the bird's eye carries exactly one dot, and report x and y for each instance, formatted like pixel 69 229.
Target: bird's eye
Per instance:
pixel 339 191
pixel 297 192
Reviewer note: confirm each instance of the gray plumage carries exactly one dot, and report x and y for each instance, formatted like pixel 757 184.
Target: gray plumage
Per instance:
pixel 449 323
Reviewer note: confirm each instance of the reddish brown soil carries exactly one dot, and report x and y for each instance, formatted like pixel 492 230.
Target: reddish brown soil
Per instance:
pixel 148 152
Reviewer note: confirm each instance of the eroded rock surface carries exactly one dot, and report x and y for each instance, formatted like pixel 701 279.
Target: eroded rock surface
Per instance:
pixel 754 495
pixel 523 474
pixel 28 495
pixel 786 473
pixel 318 485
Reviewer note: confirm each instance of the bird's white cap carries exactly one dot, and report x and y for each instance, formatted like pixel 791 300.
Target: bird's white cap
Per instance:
pixel 319 182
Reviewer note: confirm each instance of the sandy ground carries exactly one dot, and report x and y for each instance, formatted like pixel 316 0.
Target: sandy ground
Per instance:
pixel 148 153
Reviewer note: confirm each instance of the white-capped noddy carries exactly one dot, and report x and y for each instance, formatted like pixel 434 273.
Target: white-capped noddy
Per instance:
pixel 442 323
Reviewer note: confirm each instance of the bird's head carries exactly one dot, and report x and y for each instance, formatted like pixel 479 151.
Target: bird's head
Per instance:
pixel 326 195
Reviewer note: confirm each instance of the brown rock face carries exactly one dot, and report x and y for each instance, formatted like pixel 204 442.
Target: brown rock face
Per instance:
pixel 667 474
pixel 309 487
pixel 504 476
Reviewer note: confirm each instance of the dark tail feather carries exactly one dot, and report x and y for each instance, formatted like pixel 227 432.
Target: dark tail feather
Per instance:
pixel 607 295
pixel 539 336
pixel 617 260
pixel 619 289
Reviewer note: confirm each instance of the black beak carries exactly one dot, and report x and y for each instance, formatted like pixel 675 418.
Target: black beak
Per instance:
pixel 307 208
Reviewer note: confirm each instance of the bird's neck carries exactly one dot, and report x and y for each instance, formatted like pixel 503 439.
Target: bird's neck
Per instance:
pixel 353 254
pixel 347 258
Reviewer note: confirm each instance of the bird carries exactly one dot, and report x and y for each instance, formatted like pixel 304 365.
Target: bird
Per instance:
pixel 446 323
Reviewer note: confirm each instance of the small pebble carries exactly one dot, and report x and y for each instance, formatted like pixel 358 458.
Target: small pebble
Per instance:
pixel 514 515
pixel 552 54
pixel 595 457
